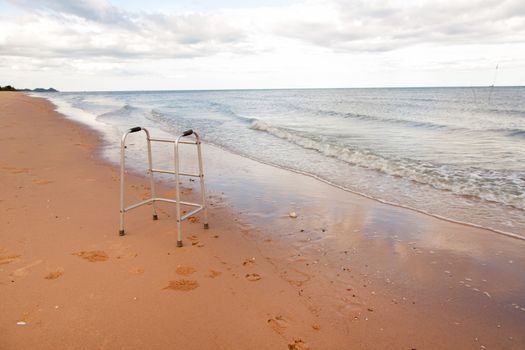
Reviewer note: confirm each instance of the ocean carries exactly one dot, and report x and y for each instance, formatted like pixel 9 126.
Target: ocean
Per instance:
pixel 454 153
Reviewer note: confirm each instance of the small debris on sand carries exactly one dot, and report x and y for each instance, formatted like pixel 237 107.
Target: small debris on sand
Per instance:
pixel 54 275
pixel 298 344
pixel 8 259
pixel 136 270
pixel 193 219
pixel 316 327
pixel 92 256
pixel 278 324
pixel 248 262
pixel 214 274
pixel 182 285
pixel 17 170
pixel 185 270
pixel 292 214
pixel 252 277
pixel 42 182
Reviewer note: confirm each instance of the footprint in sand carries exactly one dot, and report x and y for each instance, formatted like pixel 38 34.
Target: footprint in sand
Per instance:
pixel 23 271
pixel 248 262
pixel 121 251
pixel 194 240
pixel 17 170
pixel 298 344
pixel 182 285
pixel 193 219
pixel 278 324
pixel 85 146
pixel 8 259
pixel 213 274
pixel 174 192
pixel 53 275
pixel 92 256
pixel 42 182
pixel 185 270
pixel 295 277
pixel 252 277
pixel 30 316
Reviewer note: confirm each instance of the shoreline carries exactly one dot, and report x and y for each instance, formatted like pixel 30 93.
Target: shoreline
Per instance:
pixel 379 200
pixel 496 217
pixel 323 264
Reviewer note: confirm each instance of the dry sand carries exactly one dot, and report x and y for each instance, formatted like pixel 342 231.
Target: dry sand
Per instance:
pixel 358 275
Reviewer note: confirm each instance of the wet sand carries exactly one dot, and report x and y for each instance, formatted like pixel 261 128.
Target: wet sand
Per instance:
pixel 348 272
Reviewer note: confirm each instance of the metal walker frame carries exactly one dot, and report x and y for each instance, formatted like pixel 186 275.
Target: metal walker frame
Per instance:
pixel 199 206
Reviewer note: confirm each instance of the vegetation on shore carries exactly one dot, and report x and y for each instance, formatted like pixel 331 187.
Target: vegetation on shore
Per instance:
pixel 12 88
pixel 7 88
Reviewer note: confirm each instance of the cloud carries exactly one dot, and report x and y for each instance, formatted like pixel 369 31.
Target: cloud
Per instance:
pixel 388 25
pixel 296 43
pixel 95 28
pixel 94 10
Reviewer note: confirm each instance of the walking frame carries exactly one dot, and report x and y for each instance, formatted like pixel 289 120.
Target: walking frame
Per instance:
pixel 153 199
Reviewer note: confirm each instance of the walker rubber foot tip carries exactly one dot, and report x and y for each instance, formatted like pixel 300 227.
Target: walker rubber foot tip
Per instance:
pixel 206 226
pixel 155 217
pixel 121 233
pixel 179 244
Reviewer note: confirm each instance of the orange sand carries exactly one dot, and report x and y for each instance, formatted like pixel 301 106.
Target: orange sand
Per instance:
pixel 92 256
pixel 54 275
pixel 183 285
pixel 185 270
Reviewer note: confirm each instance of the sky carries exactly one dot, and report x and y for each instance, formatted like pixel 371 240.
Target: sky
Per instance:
pixel 88 45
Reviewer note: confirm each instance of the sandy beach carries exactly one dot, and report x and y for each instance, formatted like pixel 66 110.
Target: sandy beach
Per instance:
pixel 347 273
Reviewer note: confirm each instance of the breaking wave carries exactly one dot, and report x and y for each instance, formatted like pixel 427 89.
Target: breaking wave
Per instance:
pixel 480 183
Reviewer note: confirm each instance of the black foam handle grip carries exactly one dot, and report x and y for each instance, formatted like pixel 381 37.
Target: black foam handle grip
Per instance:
pixel 135 129
pixel 187 132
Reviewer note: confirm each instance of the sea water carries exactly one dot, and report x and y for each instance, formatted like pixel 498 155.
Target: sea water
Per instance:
pixel 455 153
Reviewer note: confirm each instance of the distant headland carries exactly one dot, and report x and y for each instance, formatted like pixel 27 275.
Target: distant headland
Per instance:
pixel 12 88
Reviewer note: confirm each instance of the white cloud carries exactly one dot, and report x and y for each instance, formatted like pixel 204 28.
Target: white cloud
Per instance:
pixel 388 25
pixel 60 30
pixel 301 44
pixel 95 10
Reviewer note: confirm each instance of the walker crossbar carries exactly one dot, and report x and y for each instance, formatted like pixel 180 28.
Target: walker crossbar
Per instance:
pixel 198 206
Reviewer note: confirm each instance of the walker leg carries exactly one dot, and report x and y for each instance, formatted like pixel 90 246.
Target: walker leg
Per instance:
pixel 203 189
pixel 122 166
pixel 177 192
pixel 151 179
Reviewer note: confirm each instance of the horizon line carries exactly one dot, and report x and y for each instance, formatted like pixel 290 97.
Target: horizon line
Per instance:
pixel 307 88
